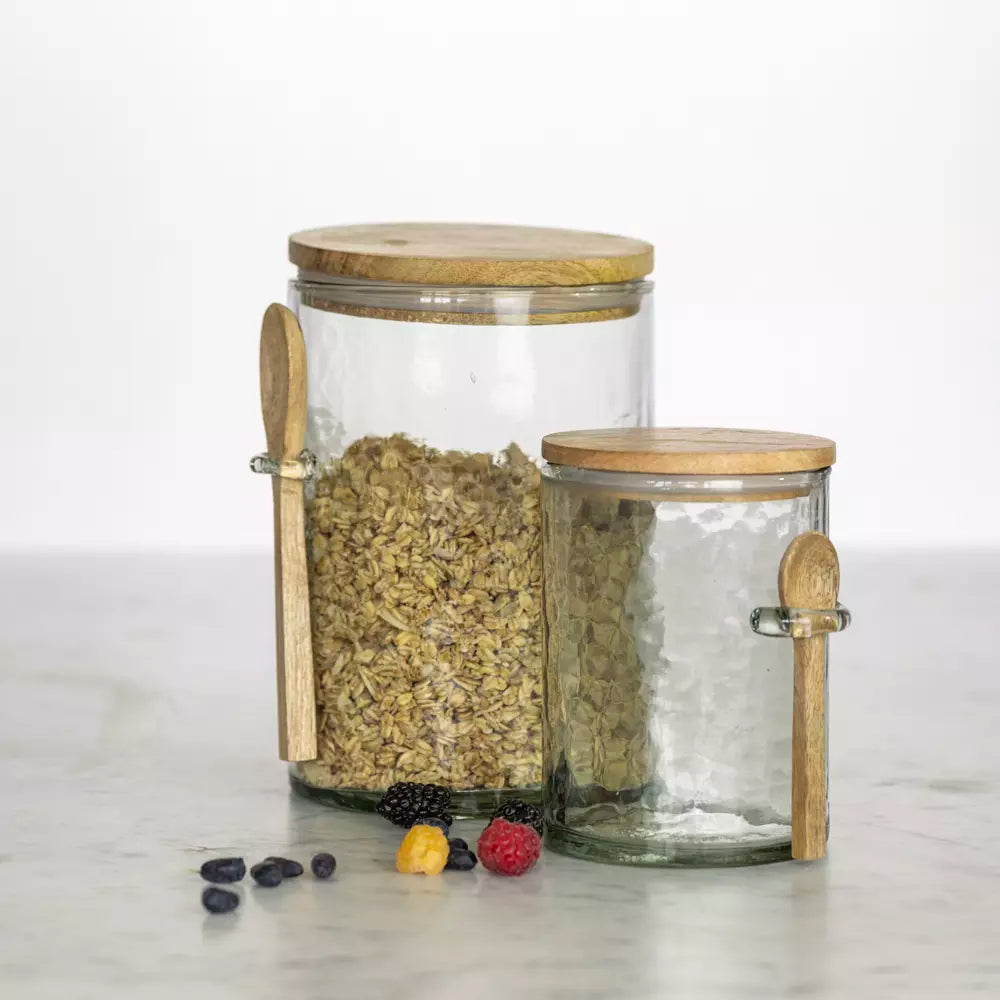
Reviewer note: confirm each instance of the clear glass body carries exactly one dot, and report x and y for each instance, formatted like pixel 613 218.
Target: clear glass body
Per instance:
pixel 426 409
pixel 668 720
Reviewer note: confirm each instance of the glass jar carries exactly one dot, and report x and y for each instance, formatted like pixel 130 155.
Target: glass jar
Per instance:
pixel 668 721
pixel 436 357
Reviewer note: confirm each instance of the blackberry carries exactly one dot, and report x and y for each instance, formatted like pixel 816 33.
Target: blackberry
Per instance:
pixel 516 811
pixel 217 900
pixel 323 865
pixel 223 870
pixel 266 873
pixel 457 842
pixel 288 868
pixel 407 801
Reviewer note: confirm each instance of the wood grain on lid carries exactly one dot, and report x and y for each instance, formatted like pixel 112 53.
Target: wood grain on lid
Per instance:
pixel 698 451
pixel 442 253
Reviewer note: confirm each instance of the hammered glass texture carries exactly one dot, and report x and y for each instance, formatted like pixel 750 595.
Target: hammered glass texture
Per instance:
pixel 668 720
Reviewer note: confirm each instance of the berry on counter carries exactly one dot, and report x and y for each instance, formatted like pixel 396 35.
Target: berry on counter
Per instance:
pixel 266 873
pixel 217 900
pixel 460 860
pixel 223 870
pixel 516 811
pixel 509 848
pixel 423 850
pixel 407 801
pixel 323 865
pixel 459 843
pixel 289 868
pixel 433 821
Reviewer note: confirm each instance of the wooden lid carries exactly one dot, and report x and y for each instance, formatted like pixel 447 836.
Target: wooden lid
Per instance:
pixel 445 253
pixel 697 451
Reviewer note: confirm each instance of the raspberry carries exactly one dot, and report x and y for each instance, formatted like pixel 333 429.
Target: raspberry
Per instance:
pixel 508 848
pixel 424 849
pixel 432 821
pixel 516 811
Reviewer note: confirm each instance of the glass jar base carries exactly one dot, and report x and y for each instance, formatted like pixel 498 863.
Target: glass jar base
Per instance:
pixel 478 804
pixel 663 853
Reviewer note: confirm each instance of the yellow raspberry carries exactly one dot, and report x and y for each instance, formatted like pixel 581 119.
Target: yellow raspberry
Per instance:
pixel 424 849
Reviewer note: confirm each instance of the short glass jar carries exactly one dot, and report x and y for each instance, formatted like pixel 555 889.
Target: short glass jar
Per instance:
pixel 436 357
pixel 668 726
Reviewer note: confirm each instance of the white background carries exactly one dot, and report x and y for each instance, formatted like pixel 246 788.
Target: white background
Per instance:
pixel 821 181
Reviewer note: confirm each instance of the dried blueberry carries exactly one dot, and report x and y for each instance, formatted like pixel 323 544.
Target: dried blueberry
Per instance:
pixel 266 873
pixel 217 900
pixel 323 865
pixel 289 868
pixel 223 870
pixel 460 860
pixel 459 843
pixel 432 821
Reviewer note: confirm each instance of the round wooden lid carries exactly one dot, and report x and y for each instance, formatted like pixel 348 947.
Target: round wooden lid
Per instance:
pixel 697 451
pixel 445 253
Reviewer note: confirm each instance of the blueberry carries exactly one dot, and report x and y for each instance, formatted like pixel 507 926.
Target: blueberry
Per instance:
pixel 461 861
pixel 223 870
pixel 323 865
pixel 266 873
pixel 459 843
pixel 432 821
pixel 289 868
pixel 217 900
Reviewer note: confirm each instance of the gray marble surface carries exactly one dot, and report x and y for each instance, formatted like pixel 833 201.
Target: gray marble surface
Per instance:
pixel 137 739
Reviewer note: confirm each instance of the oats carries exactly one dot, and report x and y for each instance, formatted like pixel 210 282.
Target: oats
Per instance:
pixel 599 697
pixel 425 598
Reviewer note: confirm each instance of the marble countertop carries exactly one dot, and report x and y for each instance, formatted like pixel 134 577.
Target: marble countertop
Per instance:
pixel 137 739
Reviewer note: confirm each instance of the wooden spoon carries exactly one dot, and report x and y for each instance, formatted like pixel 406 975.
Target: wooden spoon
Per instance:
pixel 809 578
pixel 283 401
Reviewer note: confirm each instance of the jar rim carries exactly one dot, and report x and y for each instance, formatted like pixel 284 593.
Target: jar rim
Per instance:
pixel 470 304
pixel 686 488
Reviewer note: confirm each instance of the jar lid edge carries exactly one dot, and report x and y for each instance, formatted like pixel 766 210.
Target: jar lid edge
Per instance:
pixel 689 451
pixel 471 254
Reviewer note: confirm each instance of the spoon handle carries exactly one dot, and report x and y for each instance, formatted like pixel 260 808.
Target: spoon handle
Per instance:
pixel 809 783
pixel 283 402
pixel 809 577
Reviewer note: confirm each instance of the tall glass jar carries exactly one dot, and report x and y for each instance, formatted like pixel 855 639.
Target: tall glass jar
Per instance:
pixel 668 730
pixel 436 358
